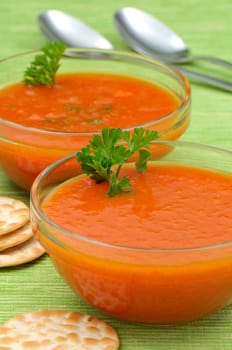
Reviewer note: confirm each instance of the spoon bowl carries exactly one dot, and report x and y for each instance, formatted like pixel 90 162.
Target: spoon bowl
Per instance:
pixel 151 37
pixel 60 26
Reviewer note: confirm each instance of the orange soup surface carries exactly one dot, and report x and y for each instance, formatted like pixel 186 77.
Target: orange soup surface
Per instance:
pixel 171 207
pixel 86 102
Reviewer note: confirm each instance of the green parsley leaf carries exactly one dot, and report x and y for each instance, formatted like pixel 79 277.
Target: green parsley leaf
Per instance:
pixel 43 69
pixel 118 186
pixel 141 163
pixel 105 154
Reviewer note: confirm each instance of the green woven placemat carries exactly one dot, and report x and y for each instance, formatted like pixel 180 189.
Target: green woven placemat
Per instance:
pixel 207 28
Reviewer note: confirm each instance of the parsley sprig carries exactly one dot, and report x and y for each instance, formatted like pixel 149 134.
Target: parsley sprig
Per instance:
pixel 104 156
pixel 43 69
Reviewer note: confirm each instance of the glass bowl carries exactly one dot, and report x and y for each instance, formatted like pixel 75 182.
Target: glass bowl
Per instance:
pixel 25 151
pixel 138 283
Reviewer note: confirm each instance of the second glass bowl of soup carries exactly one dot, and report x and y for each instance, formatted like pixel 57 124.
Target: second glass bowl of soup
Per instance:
pixel 93 89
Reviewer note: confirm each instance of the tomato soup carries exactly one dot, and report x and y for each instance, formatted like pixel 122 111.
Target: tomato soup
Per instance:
pixel 86 102
pixel 62 118
pixel 154 255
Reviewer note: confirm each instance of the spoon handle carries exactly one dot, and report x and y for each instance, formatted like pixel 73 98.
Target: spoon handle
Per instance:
pixel 208 79
pixel 211 59
pixel 214 60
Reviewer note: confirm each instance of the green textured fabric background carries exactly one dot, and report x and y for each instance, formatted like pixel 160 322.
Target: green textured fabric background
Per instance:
pixel 207 28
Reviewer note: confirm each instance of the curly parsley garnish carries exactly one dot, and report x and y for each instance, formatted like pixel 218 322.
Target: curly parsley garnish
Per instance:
pixel 105 154
pixel 43 69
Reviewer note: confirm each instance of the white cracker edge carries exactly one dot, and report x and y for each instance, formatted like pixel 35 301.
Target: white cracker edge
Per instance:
pixel 16 237
pixel 22 253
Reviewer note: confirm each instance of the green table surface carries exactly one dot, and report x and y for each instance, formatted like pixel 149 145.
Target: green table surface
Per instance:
pixel 207 28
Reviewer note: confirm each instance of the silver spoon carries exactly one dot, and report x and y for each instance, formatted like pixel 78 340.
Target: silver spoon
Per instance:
pixel 147 35
pixel 59 26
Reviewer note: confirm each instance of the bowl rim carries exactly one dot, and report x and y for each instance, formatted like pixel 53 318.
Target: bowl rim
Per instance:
pixel 34 203
pixel 133 57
